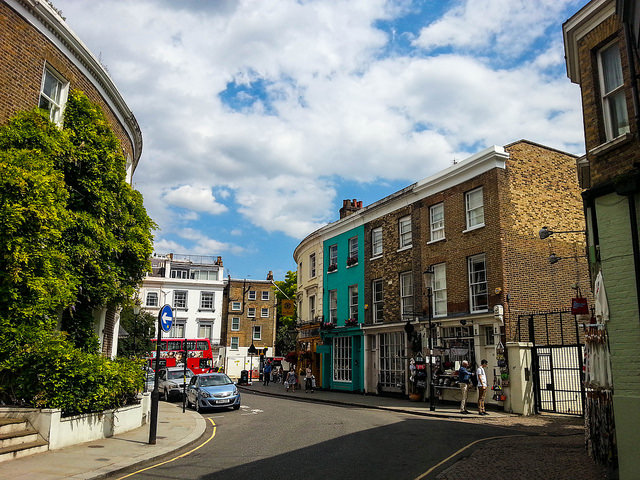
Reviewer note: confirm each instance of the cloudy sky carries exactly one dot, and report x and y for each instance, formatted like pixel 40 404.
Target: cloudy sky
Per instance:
pixel 260 116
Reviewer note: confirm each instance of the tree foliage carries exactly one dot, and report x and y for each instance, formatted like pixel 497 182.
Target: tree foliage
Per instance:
pixel 140 328
pixel 79 236
pixel 285 325
pixel 76 238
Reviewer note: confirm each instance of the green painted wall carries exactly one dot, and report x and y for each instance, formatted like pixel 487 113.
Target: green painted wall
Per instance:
pixel 341 280
pixel 616 257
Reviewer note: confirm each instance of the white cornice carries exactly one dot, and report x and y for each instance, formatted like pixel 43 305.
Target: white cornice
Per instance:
pixel 587 18
pixel 471 167
pixel 48 22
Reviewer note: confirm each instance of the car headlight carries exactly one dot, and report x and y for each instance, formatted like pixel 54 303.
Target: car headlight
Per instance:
pixel 173 386
pixel 235 390
pixel 204 394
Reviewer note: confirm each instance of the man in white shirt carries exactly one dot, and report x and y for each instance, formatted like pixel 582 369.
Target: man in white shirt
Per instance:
pixel 482 386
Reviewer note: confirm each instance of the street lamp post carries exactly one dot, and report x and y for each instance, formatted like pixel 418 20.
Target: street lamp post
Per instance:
pixel 252 351
pixel 427 276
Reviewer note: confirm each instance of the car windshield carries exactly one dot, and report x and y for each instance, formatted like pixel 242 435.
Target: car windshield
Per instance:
pixel 178 374
pixel 215 380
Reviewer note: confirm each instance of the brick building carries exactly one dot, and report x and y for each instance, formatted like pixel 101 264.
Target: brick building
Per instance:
pixel 40 60
pixel 475 225
pixel 601 49
pixel 250 319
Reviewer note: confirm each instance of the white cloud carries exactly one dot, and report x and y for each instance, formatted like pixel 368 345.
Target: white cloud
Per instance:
pixel 509 26
pixel 201 244
pixel 337 109
pixel 196 198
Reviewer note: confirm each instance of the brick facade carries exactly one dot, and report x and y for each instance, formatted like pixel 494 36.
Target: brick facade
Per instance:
pixel 24 53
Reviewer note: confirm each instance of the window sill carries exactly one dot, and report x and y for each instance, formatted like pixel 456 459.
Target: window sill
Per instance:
pixel 611 144
pixel 476 227
pixel 479 311
pixel 206 309
pixel 375 258
pixel 436 241
pixel 406 247
pixel 332 271
pixel 353 265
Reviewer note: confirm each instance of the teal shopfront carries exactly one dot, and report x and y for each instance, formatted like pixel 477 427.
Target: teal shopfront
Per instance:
pixel 343 359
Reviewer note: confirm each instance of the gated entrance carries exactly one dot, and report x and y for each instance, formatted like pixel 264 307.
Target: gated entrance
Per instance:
pixel 557 358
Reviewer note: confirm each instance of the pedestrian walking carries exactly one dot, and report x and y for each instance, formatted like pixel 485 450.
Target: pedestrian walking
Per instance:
pixel 464 377
pixel 308 377
pixel 481 374
pixel 290 381
pixel 266 373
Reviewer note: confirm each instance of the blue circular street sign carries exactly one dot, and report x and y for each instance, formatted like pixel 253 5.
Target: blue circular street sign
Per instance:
pixel 165 317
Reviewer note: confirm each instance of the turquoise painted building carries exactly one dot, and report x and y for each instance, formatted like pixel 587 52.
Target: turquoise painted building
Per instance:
pixel 343 311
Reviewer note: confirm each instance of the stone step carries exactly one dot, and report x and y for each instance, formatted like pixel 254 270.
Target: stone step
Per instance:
pixel 10 425
pixel 22 450
pixel 16 438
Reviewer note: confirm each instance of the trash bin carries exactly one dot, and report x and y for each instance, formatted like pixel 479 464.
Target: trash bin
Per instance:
pixel 244 377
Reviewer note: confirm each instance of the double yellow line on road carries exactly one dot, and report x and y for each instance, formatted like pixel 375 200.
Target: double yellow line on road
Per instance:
pixel 213 434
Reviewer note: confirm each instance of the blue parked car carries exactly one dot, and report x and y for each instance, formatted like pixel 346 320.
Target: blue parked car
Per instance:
pixel 212 390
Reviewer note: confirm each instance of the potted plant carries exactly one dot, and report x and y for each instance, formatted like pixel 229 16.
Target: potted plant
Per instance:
pixel 352 261
pixel 332 267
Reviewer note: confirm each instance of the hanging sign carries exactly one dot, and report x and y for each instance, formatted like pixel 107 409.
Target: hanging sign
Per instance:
pixel 579 306
pixel 287 308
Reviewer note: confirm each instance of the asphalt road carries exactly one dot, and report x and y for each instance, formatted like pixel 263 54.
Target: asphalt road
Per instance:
pixel 277 438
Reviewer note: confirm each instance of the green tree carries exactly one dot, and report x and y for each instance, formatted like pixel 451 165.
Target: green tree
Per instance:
pixel 140 327
pixel 36 279
pixel 79 236
pixel 285 325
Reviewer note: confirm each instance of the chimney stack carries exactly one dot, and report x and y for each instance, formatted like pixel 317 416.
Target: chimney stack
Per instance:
pixel 349 207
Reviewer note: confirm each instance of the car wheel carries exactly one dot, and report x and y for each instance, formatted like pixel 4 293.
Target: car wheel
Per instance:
pixel 236 407
pixel 198 408
pixel 166 395
pixel 188 402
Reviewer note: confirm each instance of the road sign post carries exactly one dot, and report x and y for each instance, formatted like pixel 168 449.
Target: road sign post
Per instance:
pixel 165 321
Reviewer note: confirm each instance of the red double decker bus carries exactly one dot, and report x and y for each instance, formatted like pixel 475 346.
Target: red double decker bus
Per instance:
pixel 172 352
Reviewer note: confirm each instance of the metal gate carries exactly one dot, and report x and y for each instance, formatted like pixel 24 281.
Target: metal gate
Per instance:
pixel 557 359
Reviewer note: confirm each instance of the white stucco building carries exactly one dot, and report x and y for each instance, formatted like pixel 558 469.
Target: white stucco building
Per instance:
pixel 193 286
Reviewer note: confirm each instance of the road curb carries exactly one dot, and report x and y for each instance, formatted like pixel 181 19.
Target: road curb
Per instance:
pixel 354 404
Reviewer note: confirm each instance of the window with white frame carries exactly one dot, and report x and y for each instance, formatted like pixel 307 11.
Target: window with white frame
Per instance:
pixel 205 329
pixel 204 274
pixel 342 359
pixel 312 265
pixel 439 290
pixel 53 94
pixel 353 251
pixel 406 294
pixel 436 221
pixel 235 324
pixel 264 312
pixel 206 300
pixel 177 329
pixel 265 295
pixel 251 312
pixel 353 302
pixel 333 255
pixel 614 103
pixel 333 306
pixel 376 242
pixel 257 332
pixel 152 299
pixel 179 273
pixel 180 299
pixel 235 341
pixel 252 295
pixel 391 354
pixel 478 294
pixel 312 307
pixel 378 300
pixel 404 227
pixel 236 306
pixel 474 208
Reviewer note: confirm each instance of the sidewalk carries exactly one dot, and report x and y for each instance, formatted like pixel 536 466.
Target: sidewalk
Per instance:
pixel 99 458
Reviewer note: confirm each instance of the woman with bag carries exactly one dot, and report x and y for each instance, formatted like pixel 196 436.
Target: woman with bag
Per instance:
pixel 290 381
